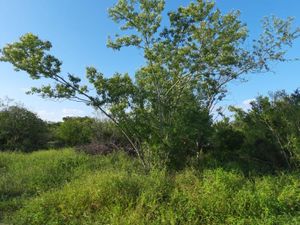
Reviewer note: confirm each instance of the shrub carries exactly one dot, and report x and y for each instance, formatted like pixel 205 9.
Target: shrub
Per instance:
pixel 272 129
pixel 75 131
pixel 21 130
pixel 105 132
pixel 226 141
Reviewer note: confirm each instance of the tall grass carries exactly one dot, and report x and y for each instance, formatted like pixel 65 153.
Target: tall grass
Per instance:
pixel 64 187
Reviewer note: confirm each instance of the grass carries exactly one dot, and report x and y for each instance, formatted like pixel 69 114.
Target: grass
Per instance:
pixel 65 187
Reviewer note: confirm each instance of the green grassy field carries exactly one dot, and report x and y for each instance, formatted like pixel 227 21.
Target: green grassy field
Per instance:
pixel 65 187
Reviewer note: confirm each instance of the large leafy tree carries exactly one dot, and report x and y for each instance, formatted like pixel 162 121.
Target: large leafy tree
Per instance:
pixel 188 65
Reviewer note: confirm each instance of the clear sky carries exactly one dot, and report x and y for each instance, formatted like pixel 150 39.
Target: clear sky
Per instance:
pixel 78 30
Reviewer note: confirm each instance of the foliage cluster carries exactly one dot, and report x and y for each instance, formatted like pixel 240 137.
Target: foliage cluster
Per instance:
pixel 20 129
pixel 267 135
pixel 74 131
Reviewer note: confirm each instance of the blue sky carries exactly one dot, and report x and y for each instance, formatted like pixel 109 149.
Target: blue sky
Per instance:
pixel 78 31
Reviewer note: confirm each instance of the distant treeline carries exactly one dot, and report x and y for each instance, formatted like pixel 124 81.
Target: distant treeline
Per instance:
pixel 22 130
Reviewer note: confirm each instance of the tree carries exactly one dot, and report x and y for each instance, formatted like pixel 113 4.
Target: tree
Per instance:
pixel 21 130
pixel 188 65
pixel 75 130
pixel 272 128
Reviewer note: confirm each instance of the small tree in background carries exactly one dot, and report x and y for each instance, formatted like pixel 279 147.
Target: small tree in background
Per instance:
pixel 272 129
pixel 75 131
pixel 188 65
pixel 21 130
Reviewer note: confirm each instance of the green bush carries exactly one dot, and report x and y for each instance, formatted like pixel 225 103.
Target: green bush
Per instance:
pixel 75 131
pixel 21 130
pixel 272 129
pixel 226 141
pixel 105 132
pixel 264 138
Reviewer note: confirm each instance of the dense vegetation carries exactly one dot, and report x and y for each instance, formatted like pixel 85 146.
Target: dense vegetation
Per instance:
pixel 243 176
pixel 268 134
pixel 159 158
pixel 21 129
pixel 266 137
pixel 164 110
pixel 65 187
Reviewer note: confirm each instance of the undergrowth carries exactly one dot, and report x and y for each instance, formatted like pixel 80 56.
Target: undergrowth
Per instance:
pixel 66 187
